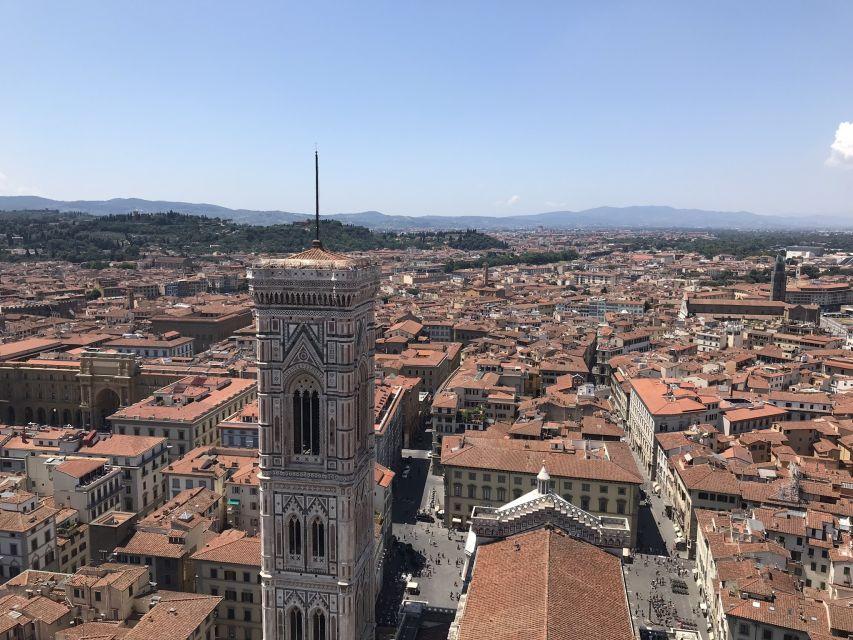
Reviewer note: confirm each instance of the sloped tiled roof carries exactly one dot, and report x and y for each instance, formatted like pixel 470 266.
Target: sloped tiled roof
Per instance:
pixel 545 585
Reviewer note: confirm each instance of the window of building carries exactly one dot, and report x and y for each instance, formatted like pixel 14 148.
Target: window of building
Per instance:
pixel 294 537
pixel 318 626
pixel 318 539
pixel 294 624
pixel 306 422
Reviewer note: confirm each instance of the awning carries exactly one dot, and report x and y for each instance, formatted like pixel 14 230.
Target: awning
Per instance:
pixel 656 486
pixel 234 502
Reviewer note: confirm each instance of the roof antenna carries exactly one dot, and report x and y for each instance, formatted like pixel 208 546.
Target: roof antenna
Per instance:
pixel 316 243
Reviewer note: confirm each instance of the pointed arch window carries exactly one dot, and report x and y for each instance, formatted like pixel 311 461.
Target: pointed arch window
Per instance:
pixel 318 626
pixel 294 624
pixel 315 424
pixel 306 423
pixel 318 539
pixel 294 537
pixel 297 422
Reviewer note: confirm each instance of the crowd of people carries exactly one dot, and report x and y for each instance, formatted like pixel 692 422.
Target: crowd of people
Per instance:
pixel 658 605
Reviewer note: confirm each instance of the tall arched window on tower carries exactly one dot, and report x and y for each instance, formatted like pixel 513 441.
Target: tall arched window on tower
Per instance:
pixel 294 624
pixel 297 422
pixel 306 422
pixel 276 431
pixel 318 539
pixel 358 413
pixel 318 626
pixel 294 537
pixel 315 424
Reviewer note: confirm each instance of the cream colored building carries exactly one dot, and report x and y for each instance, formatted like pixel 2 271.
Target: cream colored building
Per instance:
pixel 229 566
pixel 599 477
pixel 186 412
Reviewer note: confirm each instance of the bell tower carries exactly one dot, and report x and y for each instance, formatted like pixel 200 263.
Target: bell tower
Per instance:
pixel 315 339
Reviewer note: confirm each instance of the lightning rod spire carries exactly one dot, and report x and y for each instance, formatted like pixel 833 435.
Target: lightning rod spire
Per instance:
pixel 317 242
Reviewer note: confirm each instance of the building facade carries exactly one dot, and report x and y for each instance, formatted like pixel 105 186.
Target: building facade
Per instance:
pixel 315 337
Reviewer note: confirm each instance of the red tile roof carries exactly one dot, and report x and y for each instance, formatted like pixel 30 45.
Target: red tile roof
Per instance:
pixel 545 585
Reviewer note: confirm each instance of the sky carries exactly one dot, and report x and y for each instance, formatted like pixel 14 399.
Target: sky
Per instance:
pixel 436 107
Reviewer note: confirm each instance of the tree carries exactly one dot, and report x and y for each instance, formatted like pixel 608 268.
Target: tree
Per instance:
pixel 809 270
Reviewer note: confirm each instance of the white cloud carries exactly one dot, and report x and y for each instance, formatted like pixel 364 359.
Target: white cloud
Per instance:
pixel 842 149
pixel 509 202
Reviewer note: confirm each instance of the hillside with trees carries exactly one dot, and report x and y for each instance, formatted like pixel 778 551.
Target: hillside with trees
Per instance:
pixel 80 237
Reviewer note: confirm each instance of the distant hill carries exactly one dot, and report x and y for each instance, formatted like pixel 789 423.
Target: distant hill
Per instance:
pixel 84 237
pixel 637 217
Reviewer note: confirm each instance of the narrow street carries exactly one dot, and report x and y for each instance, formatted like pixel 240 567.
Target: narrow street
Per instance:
pixel 660 584
pixel 425 552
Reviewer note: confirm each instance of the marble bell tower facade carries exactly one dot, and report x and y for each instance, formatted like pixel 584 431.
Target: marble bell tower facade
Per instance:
pixel 315 341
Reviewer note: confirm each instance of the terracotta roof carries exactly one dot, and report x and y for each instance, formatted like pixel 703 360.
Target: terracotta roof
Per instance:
pixel 314 257
pixel 382 475
pixel 545 585
pixel 123 445
pixel 17 521
pixel 612 461
pixel 660 399
pixel 232 547
pixel 81 466
pixel 174 619
pixel 149 543
pixel 94 631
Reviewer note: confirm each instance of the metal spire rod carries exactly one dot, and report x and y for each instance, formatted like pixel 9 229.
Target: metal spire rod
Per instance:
pixel 317 242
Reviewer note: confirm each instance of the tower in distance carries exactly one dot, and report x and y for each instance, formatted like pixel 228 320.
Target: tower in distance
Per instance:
pixel 778 280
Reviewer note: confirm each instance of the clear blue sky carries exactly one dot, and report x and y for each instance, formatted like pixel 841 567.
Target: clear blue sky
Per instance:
pixel 432 107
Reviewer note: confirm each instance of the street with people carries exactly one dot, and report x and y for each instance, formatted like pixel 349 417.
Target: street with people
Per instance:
pixel 423 551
